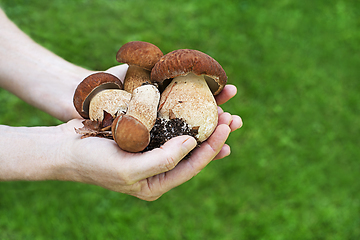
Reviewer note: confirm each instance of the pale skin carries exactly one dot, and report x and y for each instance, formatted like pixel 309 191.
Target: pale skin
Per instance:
pixel 48 82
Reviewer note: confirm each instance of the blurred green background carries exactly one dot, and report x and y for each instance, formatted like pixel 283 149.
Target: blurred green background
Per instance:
pixel 294 168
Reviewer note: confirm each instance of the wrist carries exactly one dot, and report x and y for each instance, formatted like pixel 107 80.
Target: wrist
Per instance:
pixel 33 154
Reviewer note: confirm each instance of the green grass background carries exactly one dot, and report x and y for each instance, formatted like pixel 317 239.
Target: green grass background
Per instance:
pixel 295 165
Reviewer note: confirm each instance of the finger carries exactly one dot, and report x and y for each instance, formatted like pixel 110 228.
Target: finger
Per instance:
pixel 226 94
pixel 224 152
pixel 188 168
pixel 220 110
pixel 225 118
pixel 236 123
pixel 161 159
pixel 210 148
pixel 233 121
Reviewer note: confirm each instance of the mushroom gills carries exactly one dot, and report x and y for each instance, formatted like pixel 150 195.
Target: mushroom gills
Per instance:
pixel 190 99
pixel 212 84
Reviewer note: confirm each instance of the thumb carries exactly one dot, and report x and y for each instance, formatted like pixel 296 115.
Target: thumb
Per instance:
pixel 165 158
pixel 172 152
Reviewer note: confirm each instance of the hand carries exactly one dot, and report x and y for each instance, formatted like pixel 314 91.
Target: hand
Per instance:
pixel 146 175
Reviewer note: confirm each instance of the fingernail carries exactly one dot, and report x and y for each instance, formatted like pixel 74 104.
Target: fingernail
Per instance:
pixel 189 144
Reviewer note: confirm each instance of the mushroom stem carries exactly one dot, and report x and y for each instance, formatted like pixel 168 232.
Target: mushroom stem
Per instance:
pixel 143 105
pixel 135 77
pixel 190 99
pixel 132 130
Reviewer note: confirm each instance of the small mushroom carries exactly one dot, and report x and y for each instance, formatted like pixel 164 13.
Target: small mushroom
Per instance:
pixel 132 130
pixel 141 58
pixel 195 79
pixel 100 92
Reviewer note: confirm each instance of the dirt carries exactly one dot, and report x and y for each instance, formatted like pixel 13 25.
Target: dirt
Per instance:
pixel 165 129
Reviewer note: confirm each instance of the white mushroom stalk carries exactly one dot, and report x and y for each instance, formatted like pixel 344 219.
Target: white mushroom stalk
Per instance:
pixel 189 98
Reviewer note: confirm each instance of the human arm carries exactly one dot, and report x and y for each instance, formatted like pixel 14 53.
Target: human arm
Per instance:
pixel 35 74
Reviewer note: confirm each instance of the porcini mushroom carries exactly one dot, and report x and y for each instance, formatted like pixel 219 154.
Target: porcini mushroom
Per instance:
pixel 141 58
pixel 100 92
pixel 132 130
pixel 195 79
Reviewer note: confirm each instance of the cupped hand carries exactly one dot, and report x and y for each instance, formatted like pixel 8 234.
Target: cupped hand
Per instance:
pixel 148 175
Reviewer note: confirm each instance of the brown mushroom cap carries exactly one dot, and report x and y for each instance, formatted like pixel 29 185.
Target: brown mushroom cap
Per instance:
pixel 142 54
pixel 130 134
pixel 183 61
pixel 90 86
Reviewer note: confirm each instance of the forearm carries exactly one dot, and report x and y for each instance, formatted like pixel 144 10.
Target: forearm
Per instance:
pixel 35 153
pixel 35 74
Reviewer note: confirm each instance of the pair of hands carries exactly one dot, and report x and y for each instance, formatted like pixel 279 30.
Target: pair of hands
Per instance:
pixel 147 175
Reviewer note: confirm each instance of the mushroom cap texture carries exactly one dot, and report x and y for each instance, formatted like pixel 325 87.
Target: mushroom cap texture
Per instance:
pixel 130 134
pixel 142 54
pixel 91 85
pixel 183 61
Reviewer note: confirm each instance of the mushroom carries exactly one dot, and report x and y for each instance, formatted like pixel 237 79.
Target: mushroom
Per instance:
pixel 100 92
pixel 195 79
pixel 141 57
pixel 132 130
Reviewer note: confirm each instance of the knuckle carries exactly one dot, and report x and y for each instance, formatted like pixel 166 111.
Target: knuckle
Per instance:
pixel 170 163
pixel 126 179
pixel 148 191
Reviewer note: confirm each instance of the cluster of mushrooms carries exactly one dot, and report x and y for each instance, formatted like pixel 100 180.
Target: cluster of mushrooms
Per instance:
pixel 162 96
